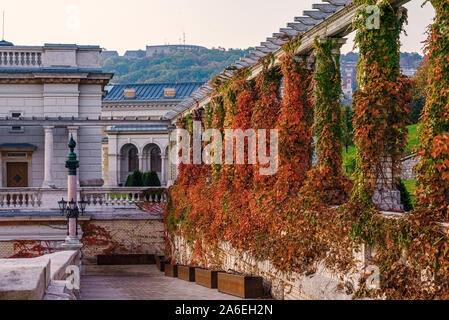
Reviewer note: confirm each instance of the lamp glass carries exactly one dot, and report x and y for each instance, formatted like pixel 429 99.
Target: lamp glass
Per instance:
pixel 62 205
pixel 72 205
pixel 82 204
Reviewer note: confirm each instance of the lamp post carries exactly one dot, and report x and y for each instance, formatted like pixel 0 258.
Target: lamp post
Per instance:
pixel 70 208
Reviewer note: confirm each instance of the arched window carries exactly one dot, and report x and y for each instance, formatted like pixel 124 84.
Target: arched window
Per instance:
pixel 133 159
pixel 156 159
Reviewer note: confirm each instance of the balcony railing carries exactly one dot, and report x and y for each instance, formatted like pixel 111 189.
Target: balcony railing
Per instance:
pixel 98 198
pixel 102 198
pixel 20 59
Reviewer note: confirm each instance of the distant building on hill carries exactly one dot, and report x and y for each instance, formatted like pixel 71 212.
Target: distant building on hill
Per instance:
pixel 135 54
pixel 167 49
pixel 107 54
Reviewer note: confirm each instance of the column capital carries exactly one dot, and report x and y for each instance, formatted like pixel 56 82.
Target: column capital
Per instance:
pixel 339 42
pixel 48 128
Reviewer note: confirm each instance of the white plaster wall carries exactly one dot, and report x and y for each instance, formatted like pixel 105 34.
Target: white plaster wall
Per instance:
pixel 90 152
pixel 54 100
pixel 28 100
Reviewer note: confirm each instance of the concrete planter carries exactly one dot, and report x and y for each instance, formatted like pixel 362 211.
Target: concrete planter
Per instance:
pixel 125 259
pixel 171 270
pixel 245 287
pixel 206 278
pixel 186 273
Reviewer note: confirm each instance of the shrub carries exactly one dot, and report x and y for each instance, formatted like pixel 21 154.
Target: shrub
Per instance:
pixel 405 196
pixel 135 179
pixel 151 179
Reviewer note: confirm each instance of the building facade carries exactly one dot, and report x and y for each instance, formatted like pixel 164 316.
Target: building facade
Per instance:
pixel 54 80
pixel 143 147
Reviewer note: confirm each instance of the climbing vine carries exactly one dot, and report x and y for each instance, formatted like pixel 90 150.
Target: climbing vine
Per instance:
pixel 281 218
pixel 380 102
pixel 433 170
pixel 327 180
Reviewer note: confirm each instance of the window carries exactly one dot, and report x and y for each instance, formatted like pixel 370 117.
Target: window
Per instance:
pixel 156 159
pixel 169 92
pixel 16 115
pixel 129 93
pixel 133 159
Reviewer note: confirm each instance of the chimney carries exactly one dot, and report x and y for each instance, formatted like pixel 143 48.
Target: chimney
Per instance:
pixel 129 93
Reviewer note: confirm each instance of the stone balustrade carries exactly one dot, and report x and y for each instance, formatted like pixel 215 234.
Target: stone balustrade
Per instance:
pixel 98 198
pixel 16 58
pixel 101 198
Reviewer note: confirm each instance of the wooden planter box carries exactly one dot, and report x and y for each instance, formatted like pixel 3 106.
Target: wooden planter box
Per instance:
pixel 125 259
pixel 245 287
pixel 186 273
pixel 171 270
pixel 206 278
pixel 160 263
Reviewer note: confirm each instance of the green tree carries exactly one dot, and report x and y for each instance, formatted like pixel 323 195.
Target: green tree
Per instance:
pixel 135 179
pixel 151 179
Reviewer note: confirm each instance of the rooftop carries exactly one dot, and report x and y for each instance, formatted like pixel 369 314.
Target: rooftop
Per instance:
pixel 151 92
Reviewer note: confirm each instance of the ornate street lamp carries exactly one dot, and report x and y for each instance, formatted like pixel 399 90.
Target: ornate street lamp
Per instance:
pixel 72 209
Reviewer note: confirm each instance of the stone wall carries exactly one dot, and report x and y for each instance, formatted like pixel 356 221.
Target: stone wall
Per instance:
pixel 135 236
pixel 408 163
pixel 133 232
pixel 322 285
pixel 38 278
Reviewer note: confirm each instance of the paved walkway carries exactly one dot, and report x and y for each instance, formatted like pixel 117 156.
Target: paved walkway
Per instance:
pixel 140 283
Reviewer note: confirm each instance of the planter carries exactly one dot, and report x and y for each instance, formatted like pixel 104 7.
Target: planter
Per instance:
pixel 171 270
pixel 125 259
pixel 160 263
pixel 186 273
pixel 206 278
pixel 245 287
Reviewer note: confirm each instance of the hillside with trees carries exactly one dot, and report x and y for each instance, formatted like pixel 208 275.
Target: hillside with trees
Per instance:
pixel 176 67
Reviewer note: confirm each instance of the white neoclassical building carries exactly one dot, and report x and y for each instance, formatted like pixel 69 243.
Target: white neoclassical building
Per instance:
pixel 145 146
pixel 53 81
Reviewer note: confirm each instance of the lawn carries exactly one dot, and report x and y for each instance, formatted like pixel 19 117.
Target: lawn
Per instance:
pixel 412 140
pixel 349 156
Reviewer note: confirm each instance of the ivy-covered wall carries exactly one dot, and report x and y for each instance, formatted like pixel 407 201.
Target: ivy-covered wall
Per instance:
pixel 286 218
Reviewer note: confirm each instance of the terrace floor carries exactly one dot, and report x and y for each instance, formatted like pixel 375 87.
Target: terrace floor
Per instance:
pixel 140 283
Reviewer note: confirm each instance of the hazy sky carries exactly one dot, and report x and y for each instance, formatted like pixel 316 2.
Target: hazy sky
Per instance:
pixel 132 24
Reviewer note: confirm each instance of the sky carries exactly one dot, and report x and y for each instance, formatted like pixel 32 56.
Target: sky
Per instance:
pixel 133 24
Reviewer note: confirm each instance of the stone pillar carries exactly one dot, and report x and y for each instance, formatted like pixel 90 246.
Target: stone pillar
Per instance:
pixel 386 196
pixel 164 170
pixel 114 170
pixel 48 163
pixel 73 132
pixel 141 162
pixel 113 162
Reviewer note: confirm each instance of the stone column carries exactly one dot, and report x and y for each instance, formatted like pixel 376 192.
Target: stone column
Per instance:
pixel 141 162
pixel 48 163
pixel 164 170
pixel 73 132
pixel 114 170
pixel 113 161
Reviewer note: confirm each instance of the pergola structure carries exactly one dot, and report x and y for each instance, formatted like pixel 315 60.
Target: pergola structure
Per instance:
pixel 331 20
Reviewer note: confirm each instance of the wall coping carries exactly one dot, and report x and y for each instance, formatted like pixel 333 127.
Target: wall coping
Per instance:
pixel 28 279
